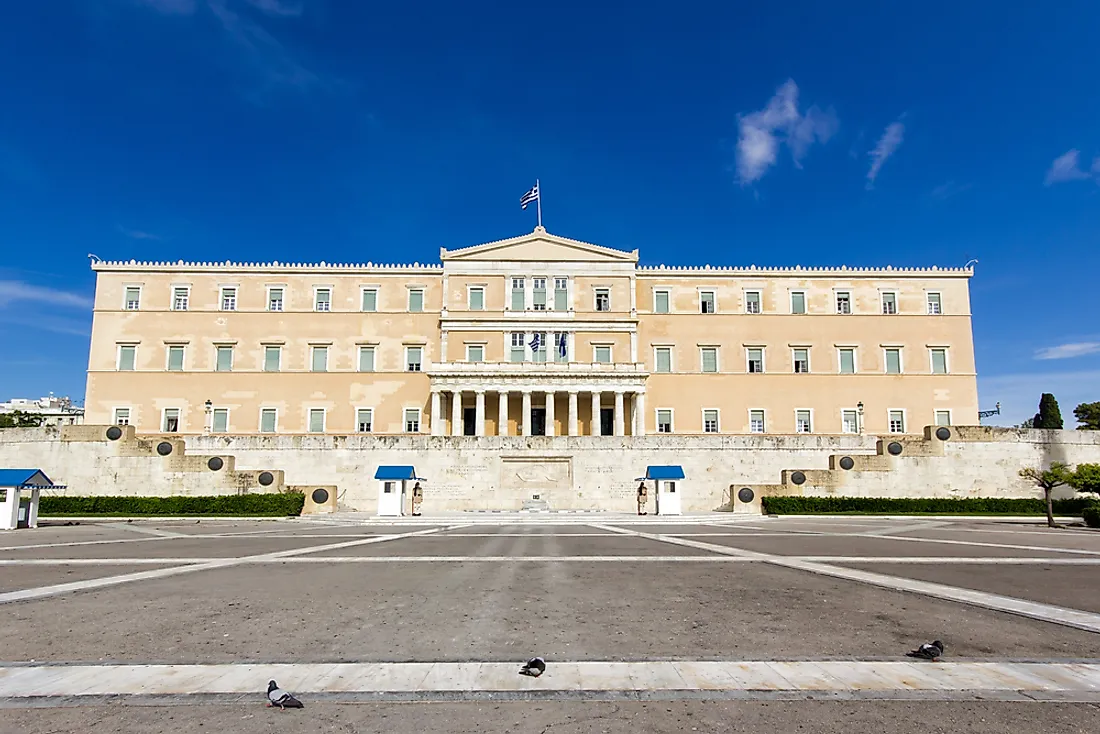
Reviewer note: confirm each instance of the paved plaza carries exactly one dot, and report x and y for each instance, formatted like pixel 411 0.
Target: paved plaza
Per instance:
pixel 712 623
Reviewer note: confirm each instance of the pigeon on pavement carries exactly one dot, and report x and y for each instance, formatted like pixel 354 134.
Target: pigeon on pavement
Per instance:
pixel 278 697
pixel 533 667
pixel 928 651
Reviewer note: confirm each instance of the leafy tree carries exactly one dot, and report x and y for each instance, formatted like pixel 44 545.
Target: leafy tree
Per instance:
pixel 19 419
pixel 1088 415
pixel 1029 423
pixel 1048 480
pixel 1086 478
pixel 1049 416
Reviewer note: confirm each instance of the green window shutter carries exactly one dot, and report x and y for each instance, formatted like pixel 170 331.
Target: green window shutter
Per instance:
pixel 316 421
pixel 939 361
pixel 225 359
pixel 847 361
pixel 561 299
pixel 221 420
pixel 798 303
pixel 320 359
pixel 416 301
pixel 267 421
pixel 664 360
pixel 366 359
pixel 370 300
pixel 710 360
pixel 271 359
pixel 893 361
pixel 175 358
pixel 477 300
pixel 660 302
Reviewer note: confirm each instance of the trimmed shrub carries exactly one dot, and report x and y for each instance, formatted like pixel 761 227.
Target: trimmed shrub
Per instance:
pixel 266 505
pixel 1092 515
pixel 930 505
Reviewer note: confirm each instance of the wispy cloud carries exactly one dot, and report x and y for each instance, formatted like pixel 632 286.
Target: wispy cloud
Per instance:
pixel 13 291
pixel 949 189
pixel 277 7
pixel 760 133
pixel 1066 167
pixel 138 234
pixel 1019 393
pixel 887 144
pixel 44 322
pixel 1068 351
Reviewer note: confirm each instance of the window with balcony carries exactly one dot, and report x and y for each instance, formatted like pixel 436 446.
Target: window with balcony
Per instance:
pixel 603 299
pixel 660 301
pixel 273 358
pixel 893 361
pixel 843 302
pixel 803 421
pixel 847 360
pixel 229 299
pixel 896 421
pixel 316 420
pixel 413 359
pixel 518 352
pixel 368 300
pixel 662 359
pixel 538 346
pixel 477 298
pixel 274 299
pixel 538 294
pixel 889 303
pixel 710 420
pixel 268 420
pixel 519 302
pixel 170 420
pixel 708 359
pixel 223 359
pixel 935 304
pixel 756 421
pixel 755 359
pixel 412 420
pixel 364 420
pixel 127 357
pixel 664 420
pixel 706 301
pixel 603 353
pixel 181 297
pixel 561 294
pixel 322 299
pixel 366 359
pixel 220 421
pixel 319 359
pixel 801 360
pixel 849 421
pixel 175 359
pixel 798 302
pixel 121 417
pixel 416 300
pixel 132 301
pixel 752 302
pixel 561 346
pixel 939 361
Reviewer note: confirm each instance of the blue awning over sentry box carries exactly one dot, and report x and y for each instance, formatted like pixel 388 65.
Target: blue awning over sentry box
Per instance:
pixel 396 473
pixel 673 471
pixel 27 479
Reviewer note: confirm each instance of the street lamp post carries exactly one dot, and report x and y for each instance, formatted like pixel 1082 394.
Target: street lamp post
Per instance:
pixel 207 424
pixel 859 417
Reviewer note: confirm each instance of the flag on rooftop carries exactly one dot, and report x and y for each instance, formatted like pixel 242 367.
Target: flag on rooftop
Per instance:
pixel 530 196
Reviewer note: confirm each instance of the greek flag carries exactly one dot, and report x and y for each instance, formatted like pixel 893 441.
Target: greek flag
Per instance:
pixel 536 341
pixel 561 345
pixel 530 196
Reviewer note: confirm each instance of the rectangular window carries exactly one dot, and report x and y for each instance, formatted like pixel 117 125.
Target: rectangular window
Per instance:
pixel 663 359
pixel 603 354
pixel 229 299
pixel 706 301
pixel 849 421
pixel 708 359
pixel 413 356
pixel 935 305
pixel 221 420
pixel 121 417
pixel 755 359
pixel 274 299
pixel 366 359
pixel 561 294
pixel 518 297
pixel 603 299
pixel 752 302
pixel 518 352
pixel 416 300
pixel 538 346
pixel 801 360
pixel 889 303
pixel 319 359
pixel 181 297
pixel 710 421
pixel 896 420
pixel 171 421
pixel 939 361
pixel 133 298
pixel 893 361
pixel 538 296
pixel 943 417
pixel 798 302
pixel 561 346
pixel 127 357
pixel 475 353
pixel 364 419
pixel 268 419
pixel 224 361
pixel 316 420
pixel 273 357
pixel 802 422
pixel 175 359
pixel 412 420
pixel 660 301
pixel 843 302
pixel 477 299
pixel 322 299
pixel 368 301
pixel 756 421
pixel 664 420
pixel 847 360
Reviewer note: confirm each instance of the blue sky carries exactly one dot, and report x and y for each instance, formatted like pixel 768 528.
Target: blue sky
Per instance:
pixel 697 132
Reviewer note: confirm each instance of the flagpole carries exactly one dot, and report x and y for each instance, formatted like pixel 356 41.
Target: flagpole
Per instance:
pixel 538 188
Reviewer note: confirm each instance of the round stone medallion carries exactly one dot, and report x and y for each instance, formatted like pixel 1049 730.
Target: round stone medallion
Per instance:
pixel 114 433
pixel 895 448
pixel 847 462
pixel 746 495
pixel 798 478
pixel 319 496
pixel 164 448
pixel 265 478
pixel 943 433
pixel 215 463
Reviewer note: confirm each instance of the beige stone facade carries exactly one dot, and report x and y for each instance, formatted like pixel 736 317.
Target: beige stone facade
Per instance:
pixel 451 348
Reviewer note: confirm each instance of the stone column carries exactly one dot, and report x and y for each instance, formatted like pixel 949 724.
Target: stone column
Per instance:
pixel 479 407
pixel 456 413
pixel 572 427
pixel 437 413
pixel 620 424
pixel 639 414
pixel 549 412
pixel 633 346
pixel 443 338
pixel 595 412
pixel 502 414
pixel 525 419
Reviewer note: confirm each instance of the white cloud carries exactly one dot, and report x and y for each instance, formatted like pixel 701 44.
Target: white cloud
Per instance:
pixel 1067 351
pixel 1019 394
pixel 1066 168
pixel 949 189
pixel 887 144
pixel 12 291
pixel 761 133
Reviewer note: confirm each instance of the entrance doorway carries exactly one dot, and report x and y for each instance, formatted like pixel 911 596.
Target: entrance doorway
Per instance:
pixel 469 421
pixel 607 421
pixel 538 421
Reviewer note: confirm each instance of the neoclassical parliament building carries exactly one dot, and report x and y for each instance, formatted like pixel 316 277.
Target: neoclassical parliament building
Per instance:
pixel 534 335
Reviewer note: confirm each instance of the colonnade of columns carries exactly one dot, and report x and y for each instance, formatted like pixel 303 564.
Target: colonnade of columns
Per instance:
pixel 623 402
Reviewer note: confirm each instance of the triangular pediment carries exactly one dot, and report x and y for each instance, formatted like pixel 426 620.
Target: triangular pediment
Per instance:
pixel 540 246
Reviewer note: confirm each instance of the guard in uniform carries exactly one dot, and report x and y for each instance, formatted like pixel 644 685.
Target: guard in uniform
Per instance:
pixel 418 498
pixel 643 498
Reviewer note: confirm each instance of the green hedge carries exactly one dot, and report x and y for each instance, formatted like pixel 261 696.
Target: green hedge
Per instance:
pixel 268 505
pixel 930 505
pixel 1092 516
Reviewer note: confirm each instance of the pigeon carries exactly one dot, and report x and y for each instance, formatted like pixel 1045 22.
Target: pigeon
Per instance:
pixel 278 697
pixel 533 667
pixel 927 651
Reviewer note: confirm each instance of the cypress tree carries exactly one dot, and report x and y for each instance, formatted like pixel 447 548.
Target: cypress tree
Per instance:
pixel 1049 416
